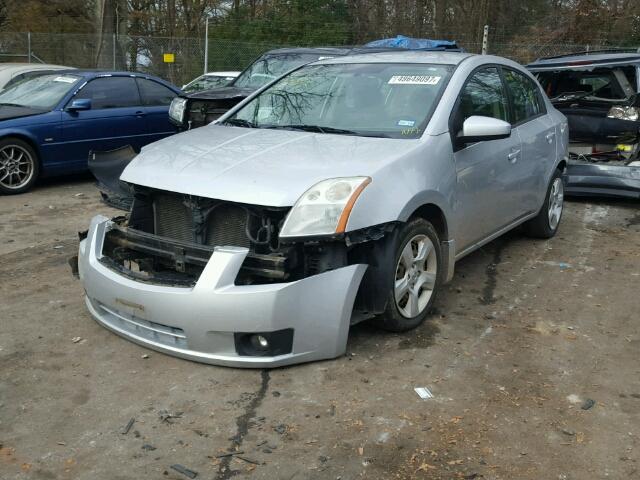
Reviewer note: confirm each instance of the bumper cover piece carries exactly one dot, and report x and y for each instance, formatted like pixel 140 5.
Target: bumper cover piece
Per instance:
pixel 199 322
pixel 591 179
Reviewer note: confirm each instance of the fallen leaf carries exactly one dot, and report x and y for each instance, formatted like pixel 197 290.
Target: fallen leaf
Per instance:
pixel 425 467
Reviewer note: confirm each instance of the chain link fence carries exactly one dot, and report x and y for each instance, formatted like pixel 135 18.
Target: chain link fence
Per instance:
pixel 146 54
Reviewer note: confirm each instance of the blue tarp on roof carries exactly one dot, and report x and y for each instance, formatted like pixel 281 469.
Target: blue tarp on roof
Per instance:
pixel 413 43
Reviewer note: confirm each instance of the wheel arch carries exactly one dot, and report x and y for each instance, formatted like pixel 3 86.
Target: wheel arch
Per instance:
pixel 435 215
pixel 25 137
pixel 562 165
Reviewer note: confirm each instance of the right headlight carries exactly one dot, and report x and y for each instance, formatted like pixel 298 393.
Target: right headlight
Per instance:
pixel 624 113
pixel 177 109
pixel 324 209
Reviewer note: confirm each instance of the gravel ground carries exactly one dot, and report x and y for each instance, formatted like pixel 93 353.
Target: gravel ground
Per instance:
pixel 527 336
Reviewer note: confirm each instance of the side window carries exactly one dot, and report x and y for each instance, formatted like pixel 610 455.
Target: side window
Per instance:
pixel 483 95
pixel 153 93
pixel 110 92
pixel 524 95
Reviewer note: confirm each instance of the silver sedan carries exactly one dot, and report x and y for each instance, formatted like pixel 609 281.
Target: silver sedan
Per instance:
pixel 344 191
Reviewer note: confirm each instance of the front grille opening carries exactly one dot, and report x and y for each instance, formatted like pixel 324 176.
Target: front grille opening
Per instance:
pixel 216 223
pixel 170 237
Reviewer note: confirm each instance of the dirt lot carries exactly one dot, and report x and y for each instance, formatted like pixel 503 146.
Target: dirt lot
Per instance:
pixel 526 333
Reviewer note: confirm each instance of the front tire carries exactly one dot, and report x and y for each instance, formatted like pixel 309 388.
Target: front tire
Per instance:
pixel 416 278
pixel 19 166
pixel 546 223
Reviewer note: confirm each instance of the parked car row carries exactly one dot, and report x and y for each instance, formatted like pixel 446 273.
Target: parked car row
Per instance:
pixel 325 186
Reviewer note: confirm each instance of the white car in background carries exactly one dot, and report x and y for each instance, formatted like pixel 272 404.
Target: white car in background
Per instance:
pixel 12 73
pixel 210 80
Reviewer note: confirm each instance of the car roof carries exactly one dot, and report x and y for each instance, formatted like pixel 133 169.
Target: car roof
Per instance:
pixel 115 73
pixel 585 61
pixel 309 51
pixel 402 56
pixel 32 66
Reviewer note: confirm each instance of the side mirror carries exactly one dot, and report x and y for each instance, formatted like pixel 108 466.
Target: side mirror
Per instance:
pixel 79 104
pixel 479 129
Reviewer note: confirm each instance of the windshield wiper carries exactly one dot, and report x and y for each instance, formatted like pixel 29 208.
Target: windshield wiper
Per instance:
pixel 238 122
pixel 563 97
pixel 312 128
pixel 323 129
pixel 12 105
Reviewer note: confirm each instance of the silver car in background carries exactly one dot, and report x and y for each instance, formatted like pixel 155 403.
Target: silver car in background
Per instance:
pixel 344 191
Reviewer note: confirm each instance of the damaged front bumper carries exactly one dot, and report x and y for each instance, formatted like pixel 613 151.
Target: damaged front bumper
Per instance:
pixel 216 321
pixel 597 179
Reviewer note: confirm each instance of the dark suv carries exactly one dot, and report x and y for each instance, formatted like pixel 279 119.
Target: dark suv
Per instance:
pixel 598 93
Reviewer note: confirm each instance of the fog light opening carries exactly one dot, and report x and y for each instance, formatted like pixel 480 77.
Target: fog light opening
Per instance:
pixel 264 344
pixel 259 342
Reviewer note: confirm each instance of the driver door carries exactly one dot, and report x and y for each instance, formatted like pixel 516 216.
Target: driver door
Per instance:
pixel 486 190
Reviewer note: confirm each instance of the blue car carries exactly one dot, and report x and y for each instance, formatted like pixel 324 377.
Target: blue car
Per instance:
pixel 49 124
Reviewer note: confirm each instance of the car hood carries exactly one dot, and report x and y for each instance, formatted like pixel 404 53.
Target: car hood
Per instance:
pixel 258 166
pixel 8 112
pixel 222 92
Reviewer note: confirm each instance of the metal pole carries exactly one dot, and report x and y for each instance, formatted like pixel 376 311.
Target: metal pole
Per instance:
pixel 485 40
pixel 114 50
pixel 206 46
pixel 29 45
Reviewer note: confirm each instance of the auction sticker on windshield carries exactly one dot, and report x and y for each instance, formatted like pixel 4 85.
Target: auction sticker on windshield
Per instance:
pixel 65 79
pixel 414 80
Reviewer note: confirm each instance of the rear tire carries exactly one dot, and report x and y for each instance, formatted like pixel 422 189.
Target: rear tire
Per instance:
pixel 546 223
pixel 19 166
pixel 415 277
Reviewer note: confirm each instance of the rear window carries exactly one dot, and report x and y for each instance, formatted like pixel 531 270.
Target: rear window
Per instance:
pixel 606 83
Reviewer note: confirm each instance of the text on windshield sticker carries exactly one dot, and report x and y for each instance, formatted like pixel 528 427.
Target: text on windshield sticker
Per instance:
pixel 414 80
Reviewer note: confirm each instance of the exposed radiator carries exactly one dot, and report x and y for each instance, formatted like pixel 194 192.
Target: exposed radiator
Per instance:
pixel 224 224
pixel 173 219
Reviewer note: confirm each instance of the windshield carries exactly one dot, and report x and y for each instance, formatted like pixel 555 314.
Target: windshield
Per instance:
pixel 40 93
pixel 270 67
pixel 207 82
pixel 377 99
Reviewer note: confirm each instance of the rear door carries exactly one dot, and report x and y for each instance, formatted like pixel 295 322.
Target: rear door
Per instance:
pixel 156 99
pixel 116 118
pixel 485 187
pixel 537 133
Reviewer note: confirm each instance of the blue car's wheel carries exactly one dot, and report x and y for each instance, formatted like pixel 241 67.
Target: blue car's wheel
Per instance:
pixel 19 166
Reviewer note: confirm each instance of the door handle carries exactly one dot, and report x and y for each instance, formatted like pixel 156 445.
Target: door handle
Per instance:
pixel 550 136
pixel 513 156
pixel 140 113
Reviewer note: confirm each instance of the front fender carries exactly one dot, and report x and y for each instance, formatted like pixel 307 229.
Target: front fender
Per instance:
pixel 424 176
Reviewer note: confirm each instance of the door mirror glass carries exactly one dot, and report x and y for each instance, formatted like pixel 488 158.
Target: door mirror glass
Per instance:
pixel 478 129
pixel 79 104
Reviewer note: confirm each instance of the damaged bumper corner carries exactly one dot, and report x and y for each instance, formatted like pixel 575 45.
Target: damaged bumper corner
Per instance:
pixel 212 321
pixel 582 179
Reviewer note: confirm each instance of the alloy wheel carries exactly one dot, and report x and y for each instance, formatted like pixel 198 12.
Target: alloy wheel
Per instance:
pixel 556 201
pixel 415 276
pixel 16 167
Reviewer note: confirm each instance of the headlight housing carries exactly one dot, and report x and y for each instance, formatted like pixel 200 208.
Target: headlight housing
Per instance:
pixel 177 109
pixel 624 113
pixel 324 209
